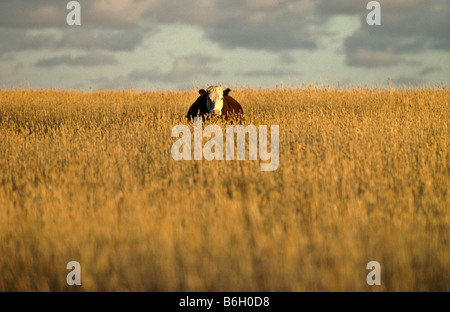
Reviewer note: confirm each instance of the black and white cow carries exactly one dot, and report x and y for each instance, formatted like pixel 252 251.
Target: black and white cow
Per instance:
pixel 216 102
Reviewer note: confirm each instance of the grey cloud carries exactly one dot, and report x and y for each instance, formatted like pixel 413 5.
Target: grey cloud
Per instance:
pixel 429 69
pixel 104 39
pixel 187 68
pixel 13 39
pixel 272 72
pixel 273 38
pixel 113 25
pixel 53 13
pixel 33 14
pixel 19 40
pixel 344 7
pixel 118 13
pixel 184 69
pixel 369 58
pixel 359 7
pixel 286 58
pixel 272 25
pixel 119 82
pixel 407 27
pixel 87 60
pixel 275 28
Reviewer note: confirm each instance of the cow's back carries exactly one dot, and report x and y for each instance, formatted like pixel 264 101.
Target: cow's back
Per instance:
pixel 231 108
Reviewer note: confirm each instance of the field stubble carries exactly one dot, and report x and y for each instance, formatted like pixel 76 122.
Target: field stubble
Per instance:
pixel 363 175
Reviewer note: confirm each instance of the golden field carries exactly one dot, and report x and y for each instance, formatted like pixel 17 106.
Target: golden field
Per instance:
pixel 88 176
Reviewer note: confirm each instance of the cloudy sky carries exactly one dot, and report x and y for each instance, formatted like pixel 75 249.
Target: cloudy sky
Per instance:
pixel 152 44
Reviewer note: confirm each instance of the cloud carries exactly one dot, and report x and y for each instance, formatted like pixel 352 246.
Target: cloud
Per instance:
pixel 183 69
pixel 409 30
pixel 32 14
pixel 429 69
pixel 117 13
pixel 272 72
pixel 370 58
pixel 252 24
pixel 405 29
pixel 352 7
pixel 271 25
pixel 255 24
pixel 286 58
pixel 87 60
pixel 119 82
pixel 186 68
pixel 103 39
pixel 21 40
pixel 16 39
pixel 53 13
pixel 338 7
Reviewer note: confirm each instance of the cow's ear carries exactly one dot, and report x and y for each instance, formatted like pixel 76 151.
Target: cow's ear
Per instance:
pixel 225 92
pixel 202 91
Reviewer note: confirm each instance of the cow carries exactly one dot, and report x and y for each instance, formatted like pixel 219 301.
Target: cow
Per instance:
pixel 215 102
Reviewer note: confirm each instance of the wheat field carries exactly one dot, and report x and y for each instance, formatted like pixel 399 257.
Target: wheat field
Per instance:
pixel 363 176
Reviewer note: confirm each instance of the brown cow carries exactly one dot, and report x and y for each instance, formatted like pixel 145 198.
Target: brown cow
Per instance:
pixel 215 102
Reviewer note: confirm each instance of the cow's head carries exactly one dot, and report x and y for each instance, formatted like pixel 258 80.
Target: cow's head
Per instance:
pixel 214 99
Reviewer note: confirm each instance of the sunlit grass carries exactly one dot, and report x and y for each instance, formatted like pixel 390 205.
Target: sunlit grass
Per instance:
pixel 88 176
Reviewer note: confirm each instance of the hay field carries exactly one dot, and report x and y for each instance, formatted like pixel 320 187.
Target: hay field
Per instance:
pixel 88 176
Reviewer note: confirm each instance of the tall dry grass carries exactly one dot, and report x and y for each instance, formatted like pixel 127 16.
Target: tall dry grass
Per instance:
pixel 363 175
